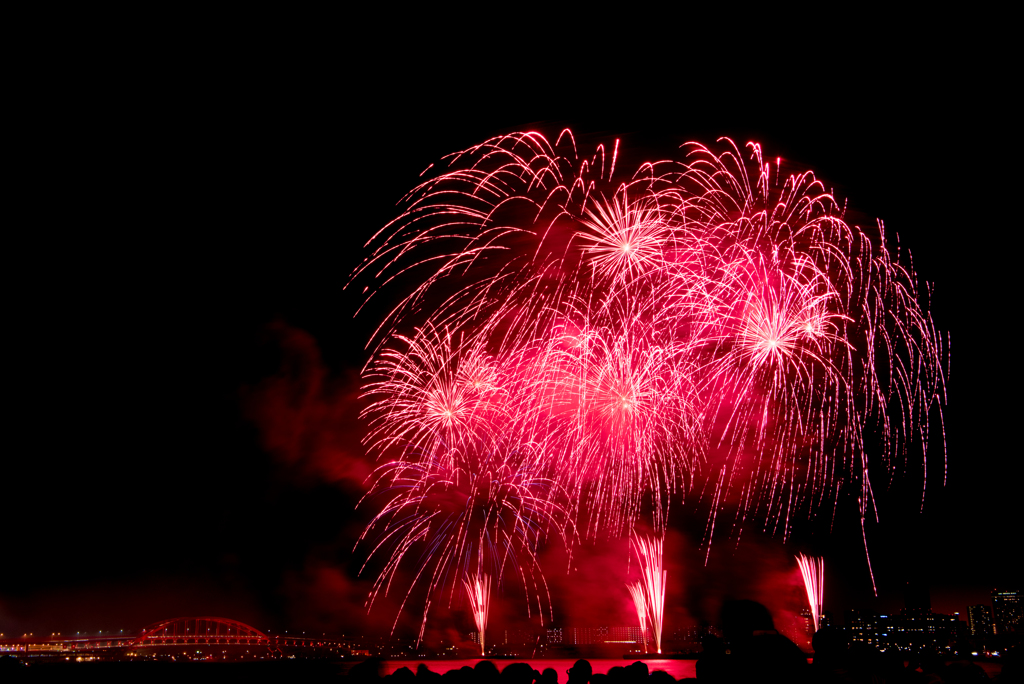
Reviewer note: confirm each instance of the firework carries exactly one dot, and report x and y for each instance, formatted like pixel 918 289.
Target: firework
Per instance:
pixel 636 592
pixel 649 591
pixel 813 571
pixel 441 397
pixel 581 345
pixel 490 512
pixel 478 589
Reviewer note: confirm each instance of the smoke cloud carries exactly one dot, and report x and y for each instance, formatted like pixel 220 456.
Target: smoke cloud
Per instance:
pixel 308 418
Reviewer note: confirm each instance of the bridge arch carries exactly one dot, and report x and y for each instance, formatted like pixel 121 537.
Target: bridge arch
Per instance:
pixel 200 630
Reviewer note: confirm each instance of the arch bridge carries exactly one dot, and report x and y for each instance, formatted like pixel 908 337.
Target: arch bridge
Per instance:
pixel 200 630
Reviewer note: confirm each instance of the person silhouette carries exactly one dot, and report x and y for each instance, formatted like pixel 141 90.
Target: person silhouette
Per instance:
pixel 486 672
pixel 751 650
pixel 830 654
pixel 580 673
pixel 548 676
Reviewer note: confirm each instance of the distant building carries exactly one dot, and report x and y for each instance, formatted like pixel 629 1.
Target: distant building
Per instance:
pixel 867 627
pixel 585 636
pixel 689 638
pixel 929 631
pixel 520 637
pixel 624 635
pixel 799 628
pixel 979 620
pixel 913 629
pixel 588 636
pixel 693 633
pixel 806 622
pixel 1006 610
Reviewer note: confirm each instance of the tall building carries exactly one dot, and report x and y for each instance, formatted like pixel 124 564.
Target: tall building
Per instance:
pixel 1006 610
pixel 803 629
pixel 979 620
pixel 806 622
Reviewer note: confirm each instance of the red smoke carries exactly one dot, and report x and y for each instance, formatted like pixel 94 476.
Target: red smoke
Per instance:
pixel 307 417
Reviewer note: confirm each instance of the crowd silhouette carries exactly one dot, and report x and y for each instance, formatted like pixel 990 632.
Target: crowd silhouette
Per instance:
pixel 749 650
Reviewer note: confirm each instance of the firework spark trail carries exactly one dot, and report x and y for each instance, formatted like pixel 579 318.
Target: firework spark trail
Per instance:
pixel 813 570
pixel 708 324
pixel 491 511
pixel 636 591
pixel 649 591
pixel 478 588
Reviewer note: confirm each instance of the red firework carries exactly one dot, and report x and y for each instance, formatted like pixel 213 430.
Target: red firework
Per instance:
pixel 649 591
pixel 813 571
pixel 706 324
pixel 478 589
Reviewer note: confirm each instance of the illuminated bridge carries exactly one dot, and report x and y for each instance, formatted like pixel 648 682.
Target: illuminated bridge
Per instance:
pixel 200 630
pixel 196 634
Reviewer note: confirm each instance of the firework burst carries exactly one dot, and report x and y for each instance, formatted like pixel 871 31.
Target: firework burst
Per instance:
pixel 491 513
pixel 706 325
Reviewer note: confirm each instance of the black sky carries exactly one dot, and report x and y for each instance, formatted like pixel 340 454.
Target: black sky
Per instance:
pixel 191 209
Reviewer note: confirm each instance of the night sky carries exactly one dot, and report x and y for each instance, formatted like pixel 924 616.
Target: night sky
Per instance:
pixel 183 360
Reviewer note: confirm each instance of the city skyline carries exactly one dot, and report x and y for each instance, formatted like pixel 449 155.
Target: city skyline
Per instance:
pixel 915 625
